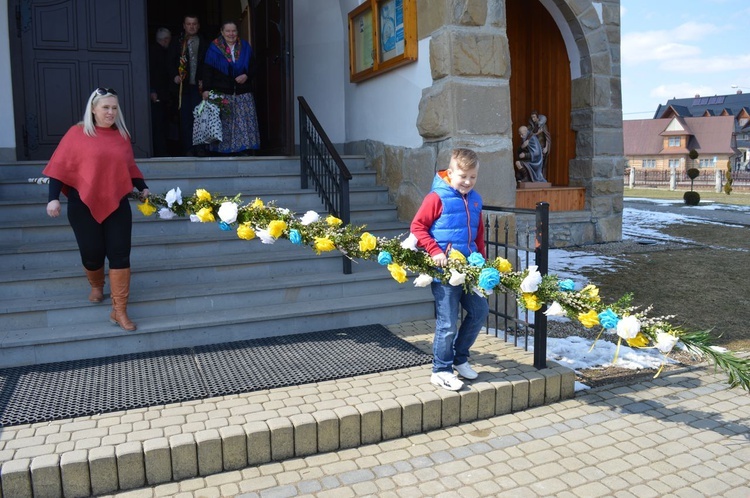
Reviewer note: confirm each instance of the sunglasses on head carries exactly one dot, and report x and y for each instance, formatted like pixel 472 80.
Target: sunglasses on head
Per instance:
pixel 105 91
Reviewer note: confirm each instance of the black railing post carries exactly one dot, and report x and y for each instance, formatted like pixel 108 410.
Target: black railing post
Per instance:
pixel 302 147
pixel 346 218
pixel 541 257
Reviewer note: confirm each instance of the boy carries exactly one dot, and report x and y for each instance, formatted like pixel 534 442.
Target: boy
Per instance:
pixel 450 218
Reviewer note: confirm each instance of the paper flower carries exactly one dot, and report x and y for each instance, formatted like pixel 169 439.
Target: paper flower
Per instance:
pixel 205 215
pixel 476 259
pixel 665 342
pixel 531 301
pixel 228 212
pixel 532 280
pixel 245 232
pixel 225 226
pixel 333 221
pixel 588 319
pixel 166 214
pixel 146 208
pixel 257 203
pixel 310 217
pixel 489 278
pixel 457 256
pixel 591 292
pixel 457 278
pixel 173 197
pixel 367 242
pixel 323 244
pixel 410 242
pixel 639 341
pixel 608 319
pixel 397 272
pixel 628 327
pixel 566 285
pixel 295 237
pixel 265 236
pixel 194 218
pixel 502 265
pixel 423 280
pixel 385 258
pixel 555 310
pixel 276 228
pixel 203 195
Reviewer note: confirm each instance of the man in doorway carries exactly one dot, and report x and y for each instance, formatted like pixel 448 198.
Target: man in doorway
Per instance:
pixel 159 83
pixel 186 70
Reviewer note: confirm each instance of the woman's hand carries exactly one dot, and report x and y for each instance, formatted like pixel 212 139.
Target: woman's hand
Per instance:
pixel 241 79
pixel 144 194
pixel 440 260
pixel 53 208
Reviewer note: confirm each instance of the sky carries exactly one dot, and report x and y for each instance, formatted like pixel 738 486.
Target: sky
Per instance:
pixel 573 352
pixel 680 48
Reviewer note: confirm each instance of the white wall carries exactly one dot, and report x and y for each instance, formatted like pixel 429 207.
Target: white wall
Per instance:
pixel 7 127
pixel 383 108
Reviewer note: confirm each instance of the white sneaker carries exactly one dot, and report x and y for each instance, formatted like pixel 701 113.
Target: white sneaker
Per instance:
pixel 465 371
pixel 446 380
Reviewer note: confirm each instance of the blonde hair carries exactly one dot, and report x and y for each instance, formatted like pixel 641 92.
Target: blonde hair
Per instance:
pixel 465 159
pixel 89 127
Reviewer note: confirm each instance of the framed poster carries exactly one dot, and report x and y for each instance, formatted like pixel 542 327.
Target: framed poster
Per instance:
pixel 382 36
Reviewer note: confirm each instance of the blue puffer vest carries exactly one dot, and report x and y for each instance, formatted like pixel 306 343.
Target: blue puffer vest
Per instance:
pixel 460 219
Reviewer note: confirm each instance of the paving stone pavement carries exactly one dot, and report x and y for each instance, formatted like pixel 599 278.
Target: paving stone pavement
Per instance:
pixel 681 435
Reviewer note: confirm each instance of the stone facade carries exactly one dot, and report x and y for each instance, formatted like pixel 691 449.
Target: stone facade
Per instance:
pixel 468 105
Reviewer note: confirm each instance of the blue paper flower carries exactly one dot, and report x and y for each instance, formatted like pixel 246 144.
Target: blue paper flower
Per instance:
pixel 295 237
pixel 488 279
pixel 385 258
pixel 225 226
pixel 608 319
pixel 475 259
pixel 567 285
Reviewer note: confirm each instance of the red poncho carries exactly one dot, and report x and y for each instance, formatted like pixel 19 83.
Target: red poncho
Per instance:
pixel 100 168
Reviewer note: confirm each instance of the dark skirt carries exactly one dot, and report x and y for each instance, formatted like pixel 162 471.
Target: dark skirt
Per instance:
pixel 239 127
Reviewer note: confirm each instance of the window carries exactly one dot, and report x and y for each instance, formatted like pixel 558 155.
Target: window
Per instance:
pixel 674 141
pixel 705 163
pixel 649 163
pixel 674 163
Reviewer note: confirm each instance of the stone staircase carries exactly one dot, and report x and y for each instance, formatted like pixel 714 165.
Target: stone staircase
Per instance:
pixel 192 284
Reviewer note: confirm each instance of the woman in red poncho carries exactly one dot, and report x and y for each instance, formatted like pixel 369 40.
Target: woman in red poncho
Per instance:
pixel 95 168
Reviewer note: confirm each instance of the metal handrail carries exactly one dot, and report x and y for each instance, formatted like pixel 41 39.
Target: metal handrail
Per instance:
pixel 322 164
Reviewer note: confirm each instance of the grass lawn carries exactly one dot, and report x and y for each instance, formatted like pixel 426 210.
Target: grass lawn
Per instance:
pixel 736 198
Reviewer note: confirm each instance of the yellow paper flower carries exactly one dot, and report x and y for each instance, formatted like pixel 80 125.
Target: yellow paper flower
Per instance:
pixel 257 203
pixel 531 301
pixel 592 292
pixel 397 272
pixel 367 242
pixel 146 208
pixel 638 341
pixel 589 319
pixel 323 244
pixel 333 221
pixel 503 265
pixel 245 232
pixel 203 195
pixel 276 228
pixel 457 255
pixel 205 215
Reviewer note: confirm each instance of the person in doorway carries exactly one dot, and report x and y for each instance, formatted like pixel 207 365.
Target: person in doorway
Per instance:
pixel 228 72
pixel 94 167
pixel 159 87
pixel 538 128
pixel 186 71
pixel 531 160
pixel 450 219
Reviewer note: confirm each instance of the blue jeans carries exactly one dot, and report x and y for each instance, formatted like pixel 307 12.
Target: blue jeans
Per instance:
pixel 451 344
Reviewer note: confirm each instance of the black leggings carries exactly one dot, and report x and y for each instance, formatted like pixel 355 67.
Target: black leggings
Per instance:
pixel 110 239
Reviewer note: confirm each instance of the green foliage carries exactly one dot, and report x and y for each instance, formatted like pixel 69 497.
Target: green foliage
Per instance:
pixel 693 173
pixel 693 154
pixel 728 176
pixel 691 198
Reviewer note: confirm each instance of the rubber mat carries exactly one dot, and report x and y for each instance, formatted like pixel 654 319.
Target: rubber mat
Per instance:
pixel 53 391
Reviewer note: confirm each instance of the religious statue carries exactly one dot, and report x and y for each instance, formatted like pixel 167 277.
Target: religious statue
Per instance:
pixel 538 127
pixel 531 158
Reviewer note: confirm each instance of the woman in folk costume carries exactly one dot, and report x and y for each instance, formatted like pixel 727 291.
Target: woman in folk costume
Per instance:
pixel 228 71
pixel 94 167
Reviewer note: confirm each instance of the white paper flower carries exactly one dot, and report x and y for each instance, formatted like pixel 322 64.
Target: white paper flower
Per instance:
pixel 228 212
pixel 310 217
pixel 665 342
pixel 628 327
pixel 457 278
pixel 284 210
pixel 264 236
pixel 194 218
pixel 174 195
pixel 166 214
pixel 410 242
pixel 423 280
pixel 532 280
pixel 555 310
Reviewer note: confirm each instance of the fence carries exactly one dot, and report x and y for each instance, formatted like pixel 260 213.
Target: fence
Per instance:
pixel 660 178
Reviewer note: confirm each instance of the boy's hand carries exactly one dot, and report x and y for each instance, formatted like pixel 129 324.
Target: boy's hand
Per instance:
pixel 440 259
